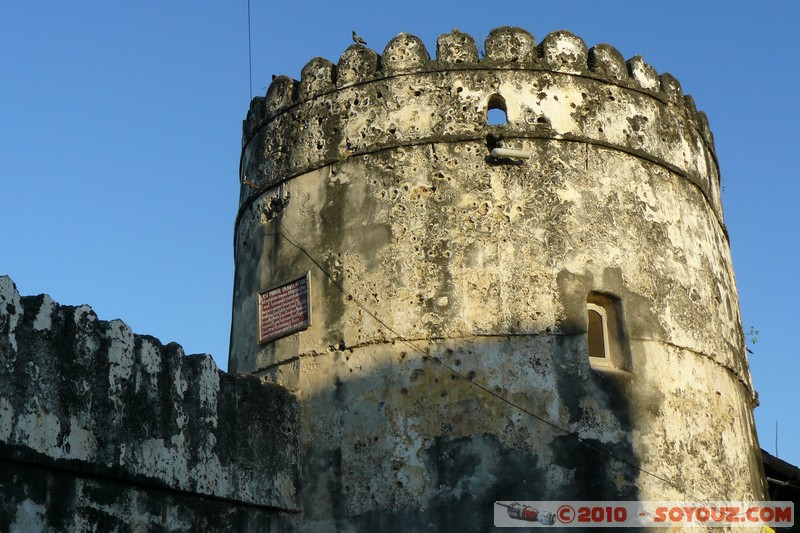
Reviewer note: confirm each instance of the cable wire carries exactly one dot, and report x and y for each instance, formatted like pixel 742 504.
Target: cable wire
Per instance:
pixel 249 51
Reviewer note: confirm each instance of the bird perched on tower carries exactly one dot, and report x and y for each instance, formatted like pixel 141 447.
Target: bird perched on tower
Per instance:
pixel 357 39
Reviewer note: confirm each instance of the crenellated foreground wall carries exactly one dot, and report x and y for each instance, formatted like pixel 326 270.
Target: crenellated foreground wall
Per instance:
pixel 105 430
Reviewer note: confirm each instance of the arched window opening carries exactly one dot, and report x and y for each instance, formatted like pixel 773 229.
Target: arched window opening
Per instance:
pixel 604 333
pixel 496 112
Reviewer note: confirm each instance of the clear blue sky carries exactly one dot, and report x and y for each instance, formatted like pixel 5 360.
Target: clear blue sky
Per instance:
pixel 120 131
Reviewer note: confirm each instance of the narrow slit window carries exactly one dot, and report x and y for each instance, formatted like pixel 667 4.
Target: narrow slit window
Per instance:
pixel 598 331
pixel 496 112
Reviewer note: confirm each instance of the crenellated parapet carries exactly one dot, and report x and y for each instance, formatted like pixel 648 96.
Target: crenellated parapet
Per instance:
pixel 557 89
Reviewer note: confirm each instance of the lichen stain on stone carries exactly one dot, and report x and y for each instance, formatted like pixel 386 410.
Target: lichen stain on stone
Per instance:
pixel 9 306
pixel 39 431
pixel 43 318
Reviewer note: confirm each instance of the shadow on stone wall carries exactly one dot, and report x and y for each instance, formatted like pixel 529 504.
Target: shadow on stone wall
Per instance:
pixel 408 445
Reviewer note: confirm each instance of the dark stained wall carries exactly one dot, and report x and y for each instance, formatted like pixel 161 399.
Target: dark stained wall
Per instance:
pixel 102 429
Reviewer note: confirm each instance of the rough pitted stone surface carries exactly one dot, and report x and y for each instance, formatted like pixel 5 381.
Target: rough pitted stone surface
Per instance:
pixel 510 45
pixel 280 93
pixel 564 52
pixel 456 47
pixel 602 106
pixel 357 63
pixel 606 61
pixel 97 422
pixel 645 74
pixel 424 250
pixel 316 77
pixel 405 53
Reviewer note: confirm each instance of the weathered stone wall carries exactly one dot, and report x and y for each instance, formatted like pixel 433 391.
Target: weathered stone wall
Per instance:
pixel 105 430
pixel 374 175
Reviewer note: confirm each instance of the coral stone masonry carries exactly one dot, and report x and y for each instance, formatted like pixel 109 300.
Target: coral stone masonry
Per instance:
pixel 456 294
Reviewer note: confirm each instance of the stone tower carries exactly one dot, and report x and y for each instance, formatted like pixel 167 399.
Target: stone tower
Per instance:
pixel 538 309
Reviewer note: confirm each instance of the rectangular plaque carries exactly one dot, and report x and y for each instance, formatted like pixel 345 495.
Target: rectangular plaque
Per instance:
pixel 284 309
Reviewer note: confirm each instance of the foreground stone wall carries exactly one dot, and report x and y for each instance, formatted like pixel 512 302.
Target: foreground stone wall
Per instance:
pixel 375 176
pixel 105 430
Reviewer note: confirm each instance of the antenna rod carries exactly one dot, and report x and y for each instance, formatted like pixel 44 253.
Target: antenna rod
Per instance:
pixel 249 51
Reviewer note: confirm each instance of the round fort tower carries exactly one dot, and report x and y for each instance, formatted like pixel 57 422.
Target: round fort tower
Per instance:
pixel 560 323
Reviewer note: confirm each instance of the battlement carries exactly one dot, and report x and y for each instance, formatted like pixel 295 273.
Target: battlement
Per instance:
pixel 505 48
pixel 558 89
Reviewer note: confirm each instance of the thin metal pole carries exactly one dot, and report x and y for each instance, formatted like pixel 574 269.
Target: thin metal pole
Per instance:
pixel 249 50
